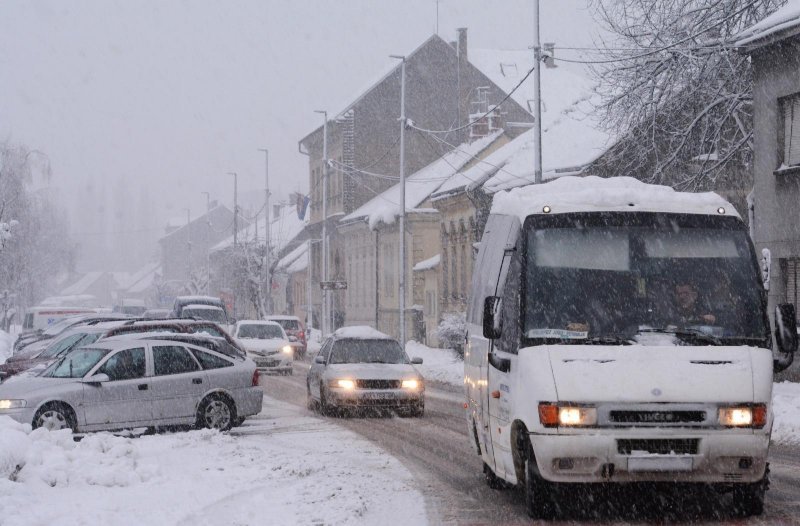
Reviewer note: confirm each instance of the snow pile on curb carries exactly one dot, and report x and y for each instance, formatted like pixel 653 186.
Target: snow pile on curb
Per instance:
pixel 441 365
pixel 6 346
pixel 786 406
pixel 280 467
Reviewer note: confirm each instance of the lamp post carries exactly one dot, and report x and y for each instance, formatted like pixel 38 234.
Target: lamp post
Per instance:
pixel 402 198
pixel 325 295
pixel 267 246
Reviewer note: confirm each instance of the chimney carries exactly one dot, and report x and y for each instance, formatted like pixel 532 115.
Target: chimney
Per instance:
pixel 462 44
pixel 463 82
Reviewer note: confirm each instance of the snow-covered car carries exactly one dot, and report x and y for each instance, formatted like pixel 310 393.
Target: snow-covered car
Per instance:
pixel 176 326
pixel 266 343
pixel 141 383
pixel 60 326
pixel 359 367
pixel 183 302
pixel 205 312
pixel 294 330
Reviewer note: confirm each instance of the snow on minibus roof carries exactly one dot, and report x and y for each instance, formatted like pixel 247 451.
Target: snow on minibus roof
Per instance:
pixel 613 194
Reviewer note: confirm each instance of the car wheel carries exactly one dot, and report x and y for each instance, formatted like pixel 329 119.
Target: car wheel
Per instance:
pixel 311 404
pixel 216 412
pixel 54 417
pixel 538 493
pixel 324 408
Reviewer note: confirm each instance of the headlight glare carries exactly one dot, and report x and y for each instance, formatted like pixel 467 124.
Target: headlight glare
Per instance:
pixel 346 384
pixel 411 384
pixel 287 349
pixel 12 404
pixel 743 416
pixel 566 415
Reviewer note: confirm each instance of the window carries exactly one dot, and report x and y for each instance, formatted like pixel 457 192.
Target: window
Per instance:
pixel 173 359
pixel 792 274
pixel 125 365
pixel 210 361
pixel 789 132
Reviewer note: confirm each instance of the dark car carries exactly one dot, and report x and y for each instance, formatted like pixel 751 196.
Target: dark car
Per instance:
pixel 213 343
pixel 182 302
pixel 173 326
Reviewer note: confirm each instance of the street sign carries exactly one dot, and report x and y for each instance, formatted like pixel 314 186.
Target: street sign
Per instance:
pixel 333 285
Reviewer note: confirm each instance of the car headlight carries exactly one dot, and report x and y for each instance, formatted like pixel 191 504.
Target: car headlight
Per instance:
pixel 344 384
pixel 411 384
pixel 12 404
pixel 567 415
pixel 745 415
pixel 287 349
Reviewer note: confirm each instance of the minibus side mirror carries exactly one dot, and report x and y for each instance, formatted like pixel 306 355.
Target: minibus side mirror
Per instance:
pixel 786 328
pixel 492 322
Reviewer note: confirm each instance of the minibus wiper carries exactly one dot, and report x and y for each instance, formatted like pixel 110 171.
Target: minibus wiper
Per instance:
pixel 608 339
pixel 687 334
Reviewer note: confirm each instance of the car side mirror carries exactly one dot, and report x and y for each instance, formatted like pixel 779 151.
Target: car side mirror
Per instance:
pixel 97 379
pixel 319 359
pixel 492 322
pixel 416 361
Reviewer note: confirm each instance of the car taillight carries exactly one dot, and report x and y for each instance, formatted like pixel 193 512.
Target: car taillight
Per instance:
pixel 255 378
pixel 302 336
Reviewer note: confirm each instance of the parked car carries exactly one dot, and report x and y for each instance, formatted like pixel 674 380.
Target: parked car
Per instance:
pixel 182 302
pixel 156 314
pixel 205 312
pixel 65 324
pixel 39 355
pixel 180 326
pixel 267 344
pixel 294 330
pixel 214 343
pixel 43 317
pixel 359 367
pixel 142 383
pixel 132 307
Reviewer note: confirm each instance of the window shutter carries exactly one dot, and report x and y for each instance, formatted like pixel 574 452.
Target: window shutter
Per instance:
pixel 792 283
pixel 791 141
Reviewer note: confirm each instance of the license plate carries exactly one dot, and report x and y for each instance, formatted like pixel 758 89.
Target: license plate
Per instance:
pixel 380 396
pixel 266 363
pixel 643 464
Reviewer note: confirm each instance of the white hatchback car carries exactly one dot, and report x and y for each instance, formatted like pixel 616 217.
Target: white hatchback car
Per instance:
pixel 266 343
pixel 141 383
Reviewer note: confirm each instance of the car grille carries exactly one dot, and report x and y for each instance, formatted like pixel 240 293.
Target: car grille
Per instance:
pixel 656 417
pixel 678 446
pixel 378 384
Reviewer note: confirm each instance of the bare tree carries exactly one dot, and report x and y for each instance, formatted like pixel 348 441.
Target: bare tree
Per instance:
pixel 676 92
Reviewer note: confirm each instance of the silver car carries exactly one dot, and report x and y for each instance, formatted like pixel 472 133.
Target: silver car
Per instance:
pixel 142 383
pixel 359 367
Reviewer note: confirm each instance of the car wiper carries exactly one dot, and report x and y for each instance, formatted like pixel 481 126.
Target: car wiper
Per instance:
pixel 693 335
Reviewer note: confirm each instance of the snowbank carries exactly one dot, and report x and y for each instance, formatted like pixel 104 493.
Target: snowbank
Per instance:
pixel 786 406
pixel 441 365
pixel 6 346
pixel 279 468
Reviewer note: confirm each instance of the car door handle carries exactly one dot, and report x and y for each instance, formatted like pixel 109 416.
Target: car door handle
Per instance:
pixel 197 380
pixel 142 387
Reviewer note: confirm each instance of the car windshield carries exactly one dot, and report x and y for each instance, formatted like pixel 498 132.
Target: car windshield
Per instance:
pixel 289 325
pixel 58 327
pixel 214 314
pixel 64 344
pixel 601 278
pixel 367 351
pixel 260 331
pixel 76 364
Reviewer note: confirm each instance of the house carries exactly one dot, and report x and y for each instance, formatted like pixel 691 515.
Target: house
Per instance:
pixel 774 47
pixel 426 294
pixel 443 89
pixel 97 284
pixel 291 271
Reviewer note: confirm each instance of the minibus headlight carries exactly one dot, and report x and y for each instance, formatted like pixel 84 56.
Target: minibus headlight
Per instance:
pixel 566 415
pixel 745 415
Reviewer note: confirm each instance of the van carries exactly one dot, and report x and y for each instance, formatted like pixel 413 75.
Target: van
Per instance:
pixel 583 363
pixel 40 318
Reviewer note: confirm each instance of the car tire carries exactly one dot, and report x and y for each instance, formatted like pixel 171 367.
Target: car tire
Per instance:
pixel 311 404
pixel 324 408
pixel 54 417
pixel 538 493
pixel 216 412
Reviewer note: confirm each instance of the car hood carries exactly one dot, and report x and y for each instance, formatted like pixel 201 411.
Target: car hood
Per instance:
pixel 637 373
pixel 261 346
pixel 372 371
pixel 22 386
pixel 29 352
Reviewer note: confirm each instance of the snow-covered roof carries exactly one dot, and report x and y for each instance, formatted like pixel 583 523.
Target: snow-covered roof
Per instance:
pixel 784 19
pixel 294 261
pixel 175 225
pixel 282 230
pixel 385 207
pixel 83 284
pixel 597 194
pixel 144 278
pixel 428 264
pixel 361 332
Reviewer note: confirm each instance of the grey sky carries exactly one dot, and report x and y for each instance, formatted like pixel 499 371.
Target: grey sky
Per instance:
pixel 168 96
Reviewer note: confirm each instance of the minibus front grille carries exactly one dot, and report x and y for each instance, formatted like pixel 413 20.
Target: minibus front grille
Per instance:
pixel 656 417
pixel 673 446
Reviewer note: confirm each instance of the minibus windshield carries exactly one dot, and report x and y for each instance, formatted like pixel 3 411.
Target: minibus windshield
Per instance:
pixel 609 278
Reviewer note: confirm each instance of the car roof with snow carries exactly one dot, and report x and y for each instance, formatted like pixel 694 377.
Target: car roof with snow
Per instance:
pixel 282 317
pixel 257 322
pixel 360 332
pixel 613 194
pixel 194 306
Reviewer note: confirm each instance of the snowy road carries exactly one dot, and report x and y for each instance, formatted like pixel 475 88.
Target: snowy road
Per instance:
pixel 436 450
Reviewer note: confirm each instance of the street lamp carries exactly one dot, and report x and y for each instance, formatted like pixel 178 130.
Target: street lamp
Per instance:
pixel 402 287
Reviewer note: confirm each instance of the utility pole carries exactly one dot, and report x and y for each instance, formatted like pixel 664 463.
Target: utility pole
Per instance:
pixel 402 198
pixel 267 245
pixel 188 244
pixel 235 208
pixel 537 88
pixel 309 296
pixel 325 294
